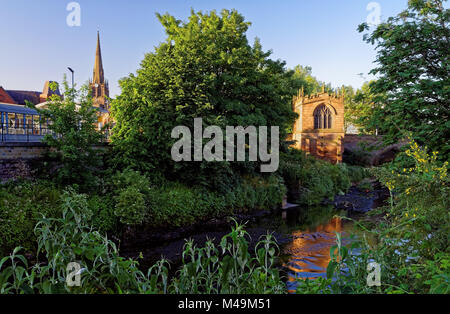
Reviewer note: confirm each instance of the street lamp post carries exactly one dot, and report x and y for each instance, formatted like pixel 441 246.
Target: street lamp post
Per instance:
pixel 70 69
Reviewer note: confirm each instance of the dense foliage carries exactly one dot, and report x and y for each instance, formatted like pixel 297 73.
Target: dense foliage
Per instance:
pixel 206 68
pixel 74 120
pixel 310 180
pixel 22 204
pixel 412 69
pixel 359 108
pixel 409 241
pixel 174 204
pixel 129 199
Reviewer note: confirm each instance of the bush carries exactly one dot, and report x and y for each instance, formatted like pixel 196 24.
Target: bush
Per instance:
pixel 130 206
pixel 420 198
pixel 175 204
pixel 340 177
pixel 310 180
pixel 22 204
pixel 130 199
pixel 356 173
pixel 130 178
pixel 258 193
pixel 103 218
pixel 131 191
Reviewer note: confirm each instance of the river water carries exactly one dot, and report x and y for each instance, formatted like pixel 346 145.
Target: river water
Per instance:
pixel 313 233
pixel 305 236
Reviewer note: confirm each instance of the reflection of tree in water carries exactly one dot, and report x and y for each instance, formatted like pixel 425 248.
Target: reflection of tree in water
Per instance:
pixel 310 249
pixel 310 217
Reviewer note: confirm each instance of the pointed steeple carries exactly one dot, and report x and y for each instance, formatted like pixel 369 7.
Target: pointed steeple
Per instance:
pixel 98 67
pixel 99 87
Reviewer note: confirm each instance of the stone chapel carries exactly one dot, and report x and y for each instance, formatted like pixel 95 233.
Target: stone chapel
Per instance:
pixel 319 129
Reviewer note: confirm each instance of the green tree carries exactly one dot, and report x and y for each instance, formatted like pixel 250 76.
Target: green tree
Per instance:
pixel 72 121
pixel 359 107
pixel 350 114
pixel 302 77
pixel 413 70
pixel 205 68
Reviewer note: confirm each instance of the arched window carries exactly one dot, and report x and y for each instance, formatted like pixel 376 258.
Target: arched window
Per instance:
pixel 322 118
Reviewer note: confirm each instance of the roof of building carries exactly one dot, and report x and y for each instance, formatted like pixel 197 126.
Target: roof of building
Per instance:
pixel 5 97
pixel 26 110
pixel 17 109
pixel 20 96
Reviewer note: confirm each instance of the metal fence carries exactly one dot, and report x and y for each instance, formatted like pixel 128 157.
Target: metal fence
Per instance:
pixel 27 133
pixel 33 134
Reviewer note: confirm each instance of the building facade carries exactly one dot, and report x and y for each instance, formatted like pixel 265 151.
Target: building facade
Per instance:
pixel 319 129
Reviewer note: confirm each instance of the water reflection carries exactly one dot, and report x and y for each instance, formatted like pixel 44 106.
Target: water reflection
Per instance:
pixel 310 249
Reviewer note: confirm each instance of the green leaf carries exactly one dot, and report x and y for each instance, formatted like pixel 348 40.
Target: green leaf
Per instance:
pixel 331 269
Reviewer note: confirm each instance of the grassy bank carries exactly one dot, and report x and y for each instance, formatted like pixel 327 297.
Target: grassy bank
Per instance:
pixel 131 198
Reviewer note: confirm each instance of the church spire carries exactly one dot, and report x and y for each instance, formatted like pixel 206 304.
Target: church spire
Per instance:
pixel 99 87
pixel 98 67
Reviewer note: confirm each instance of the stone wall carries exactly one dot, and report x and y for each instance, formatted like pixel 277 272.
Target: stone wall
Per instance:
pixel 19 160
pixel 12 151
pixel 16 159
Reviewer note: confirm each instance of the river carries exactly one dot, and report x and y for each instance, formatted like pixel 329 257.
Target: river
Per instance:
pixel 313 233
pixel 305 236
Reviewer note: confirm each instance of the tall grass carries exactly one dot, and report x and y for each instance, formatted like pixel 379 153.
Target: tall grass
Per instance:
pixel 226 268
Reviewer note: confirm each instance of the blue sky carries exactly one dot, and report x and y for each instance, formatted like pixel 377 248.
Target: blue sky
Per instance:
pixel 36 44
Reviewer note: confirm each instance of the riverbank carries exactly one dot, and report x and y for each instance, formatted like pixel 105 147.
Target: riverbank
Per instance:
pixel 152 244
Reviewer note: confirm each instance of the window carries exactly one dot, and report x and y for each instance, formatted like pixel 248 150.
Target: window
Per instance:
pixel 11 123
pixel 36 125
pixel 19 124
pixel 29 124
pixel 322 118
